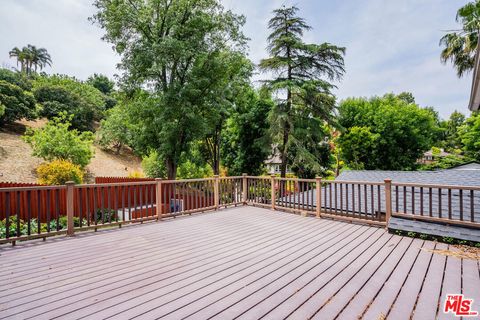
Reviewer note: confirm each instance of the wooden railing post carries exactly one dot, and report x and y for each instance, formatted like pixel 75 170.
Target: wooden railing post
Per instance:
pixel 272 182
pixel 318 195
pixel 388 200
pixel 70 207
pixel 216 191
pixel 159 202
pixel 244 188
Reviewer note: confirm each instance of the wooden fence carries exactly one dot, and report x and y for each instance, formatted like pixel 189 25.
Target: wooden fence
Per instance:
pixel 30 211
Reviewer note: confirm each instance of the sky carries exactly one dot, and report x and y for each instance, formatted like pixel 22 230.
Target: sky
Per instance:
pixel 391 46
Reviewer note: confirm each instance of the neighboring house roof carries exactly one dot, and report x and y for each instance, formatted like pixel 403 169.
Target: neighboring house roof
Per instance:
pixel 472 165
pixel 475 91
pixel 430 153
pixel 275 159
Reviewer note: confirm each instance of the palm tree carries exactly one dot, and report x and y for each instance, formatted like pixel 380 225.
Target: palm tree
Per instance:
pixel 20 56
pixel 31 58
pixel 461 45
pixel 40 57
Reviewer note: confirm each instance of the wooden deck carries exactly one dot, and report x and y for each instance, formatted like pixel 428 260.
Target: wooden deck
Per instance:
pixel 244 262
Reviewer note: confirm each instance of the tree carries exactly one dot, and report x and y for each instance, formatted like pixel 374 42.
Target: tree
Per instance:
pixel 31 58
pixel 451 131
pixel 460 46
pixel 16 103
pixel 246 143
pixel 385 133
pixel 233 85
pixel 115 129
pixel 470 136
pixel 101 82
pixel 357 145
pixel 300 69
pixel 173 49
pixel 56 141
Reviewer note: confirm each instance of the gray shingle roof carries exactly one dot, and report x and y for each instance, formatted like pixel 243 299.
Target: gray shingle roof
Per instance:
pixel 449 177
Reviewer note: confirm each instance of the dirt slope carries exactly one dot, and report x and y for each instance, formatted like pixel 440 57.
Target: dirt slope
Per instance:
pixel 18 165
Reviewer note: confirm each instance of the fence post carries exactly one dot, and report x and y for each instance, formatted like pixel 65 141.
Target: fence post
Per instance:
pixel 70 207
pixel 388 200
pixel 159 202
pixel 216 191
pixel 244 188
pixel 272 182
pixel 318 195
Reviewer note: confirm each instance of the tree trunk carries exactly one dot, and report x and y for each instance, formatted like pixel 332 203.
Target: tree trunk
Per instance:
pixel 171 169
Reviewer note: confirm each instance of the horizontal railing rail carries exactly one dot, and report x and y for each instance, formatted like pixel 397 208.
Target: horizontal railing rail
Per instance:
pixel 28 212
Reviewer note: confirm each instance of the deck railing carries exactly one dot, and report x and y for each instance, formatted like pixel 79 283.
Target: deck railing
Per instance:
pixel 438 203
pixel 41 211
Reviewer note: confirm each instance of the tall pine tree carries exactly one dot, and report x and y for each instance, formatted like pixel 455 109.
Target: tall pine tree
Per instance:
pixel 302 82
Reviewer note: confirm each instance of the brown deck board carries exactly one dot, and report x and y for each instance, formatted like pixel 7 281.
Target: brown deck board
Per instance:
pixel 241 262
pixel 428 298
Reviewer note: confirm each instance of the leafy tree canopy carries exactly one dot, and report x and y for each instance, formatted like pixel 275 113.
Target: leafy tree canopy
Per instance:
pixel 384 133
pixel 176 50
pixel 101 82
pixel 470 136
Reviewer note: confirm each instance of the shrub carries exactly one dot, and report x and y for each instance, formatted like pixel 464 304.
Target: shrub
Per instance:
pixel 136 174
pixel 114 130
pixel 58 172
pixel 56 141
pixel 16 103
pixel 55 99
pixel 153 165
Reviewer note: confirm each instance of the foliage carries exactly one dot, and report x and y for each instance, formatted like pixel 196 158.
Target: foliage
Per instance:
pixel 470 136
pixel 385 133
pixel 62 225
pixel 16 103
pixel 176 50
pixel 359 143
pixel 450 129
pixel 230 93
pixel 83 98
pixel 303 72
pixel 191 170
pixel 101 82
pixel 136 174
pixel 31 58
pixel 56 141
pixel 56 100
pixel 57 172
pixel 16 78
pixel 445 162
pixel 460 47
pixel 245 143
pixel 114 130
pixel 153 165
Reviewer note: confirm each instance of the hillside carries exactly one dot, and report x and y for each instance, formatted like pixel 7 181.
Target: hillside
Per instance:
pixel 18 165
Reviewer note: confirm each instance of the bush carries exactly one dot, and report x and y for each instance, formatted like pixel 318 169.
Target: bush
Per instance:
pixel 56 141
pixel 114 130
pixel 153 165
pixel 136 174
pixel 55 100
pixel 16 103
pixel 58 172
